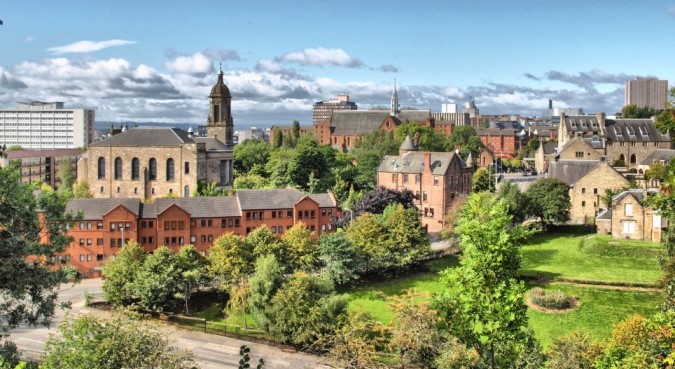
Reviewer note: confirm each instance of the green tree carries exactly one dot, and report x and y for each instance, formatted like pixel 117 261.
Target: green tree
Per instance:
pixel 342 261
pixel 632 111
pixel 158 280
pixel 366 233
pixel 230 258
pixel 28 279
pixel 93 342
pixel 656 171
pixel 549 200
pixel 358 343
pixel 263 242
pixel 192 269
pixel 406 242
pixel 278 167
pixel 429 139
pixel 482 303
pixel 120 274
pixel 516 200
pixel 301 250
pixel 208 190
pixel 573 351
pixel 67 176
pixel 277 138
pixel 304 310
pixel 295 130
pixel 249 153
pixel 250 181
pixel 264 283
pixel 467 139
pixel 82 190
pixel 306 162
pixel 368 153
pixel 482 181
pixel 665 120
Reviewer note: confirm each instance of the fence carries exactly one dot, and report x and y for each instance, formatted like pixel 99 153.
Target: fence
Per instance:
pixel 223 329
pixel 32 356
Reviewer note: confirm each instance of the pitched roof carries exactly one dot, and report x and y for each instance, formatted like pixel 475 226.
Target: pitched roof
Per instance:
pixel 277 199
pixel 549 147
pixel 357 122
pixel 604 214
pixel 581 123
pixel 212 143
pixel 570 171
pixel 641 130
pixel 407 144
pixel 324 200
pixel 413 162
pixel 147 136
pixel 22 154
pixel 639 195
pixel 658 155
pixel 418 116
pixel 95 209
pixel 198 207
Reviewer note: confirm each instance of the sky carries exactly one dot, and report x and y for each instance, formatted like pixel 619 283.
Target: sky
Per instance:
pixel 141 61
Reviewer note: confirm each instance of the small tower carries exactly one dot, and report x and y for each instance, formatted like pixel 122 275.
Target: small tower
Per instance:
pixel 220 124
pixel 393 110
pixel 469 161
pixel 407 146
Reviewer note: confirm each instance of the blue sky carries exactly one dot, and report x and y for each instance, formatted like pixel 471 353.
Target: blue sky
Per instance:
pixel 156 61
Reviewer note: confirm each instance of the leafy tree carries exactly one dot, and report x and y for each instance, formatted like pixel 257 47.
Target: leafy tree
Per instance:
pixel 406 241
pixel 358 343
pixel 368 154
pixel 482 181
pixel 342 261
pixel 516 200
pixel 240 292
pixel 120 274
pixel 249 153
pixel 301 249
pixel 305 309
pixel 665 120
pixel 230 258
pixel 366 233
pixel 278 167
pixel 28 281
pixel 482 302
pixel 158 280
pixel 656 171
pixel 250 181
pixel 429 139
pixel 93 342
pixel 467 139
pixel 67 176
pixel 82 190
pixel 632 111
pixel 450 222
pixel 277 138
pixel 264 283
pixel 192 267
pixel 307 160
pixel 375 202
pixel 263 242
pixel 295 130
pixel 413 329
pixel 549 200
pixel 208 190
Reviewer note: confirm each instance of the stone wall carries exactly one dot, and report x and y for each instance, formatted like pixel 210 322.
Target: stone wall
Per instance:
pixel 586 193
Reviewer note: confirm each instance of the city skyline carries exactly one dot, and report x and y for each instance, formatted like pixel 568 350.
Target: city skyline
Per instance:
pixel 158 63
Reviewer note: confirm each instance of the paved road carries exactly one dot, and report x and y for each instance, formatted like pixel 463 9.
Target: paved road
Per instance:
pixel 211 351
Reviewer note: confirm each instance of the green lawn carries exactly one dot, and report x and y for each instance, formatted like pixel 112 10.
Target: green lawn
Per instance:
pixel 597 313
pixel 599 259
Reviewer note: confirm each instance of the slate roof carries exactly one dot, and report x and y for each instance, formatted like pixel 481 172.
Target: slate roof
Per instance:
pixel 418 116
pixel 198 207
pixel 570 171
pixel 604 214
pixel 658 155
pixel 595 143
pixel 277 199
pixel 581 123
pixel 323 199
pixel 212 143
pixel 147 136
pixel 550 147
pixel 95 209
pixel 639 194
pixel 22 154
pixel 357 122
pixel 413 162
pixel 641 130
pixel 407 144
pixel 497 132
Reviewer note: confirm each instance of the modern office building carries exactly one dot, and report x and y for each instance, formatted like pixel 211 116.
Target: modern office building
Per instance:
pixel 46 126
pixel 322 111
pixel 647 93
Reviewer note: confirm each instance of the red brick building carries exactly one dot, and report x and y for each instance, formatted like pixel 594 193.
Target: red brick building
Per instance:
pixel 109 223
pixel 435 177
pixel 504 143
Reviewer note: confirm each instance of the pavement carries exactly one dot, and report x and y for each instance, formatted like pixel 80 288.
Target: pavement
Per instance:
pixel 210 351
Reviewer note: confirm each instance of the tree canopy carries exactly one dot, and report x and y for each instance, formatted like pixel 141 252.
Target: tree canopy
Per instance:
pixel 429 139
pixel 467 139
pixel 549 200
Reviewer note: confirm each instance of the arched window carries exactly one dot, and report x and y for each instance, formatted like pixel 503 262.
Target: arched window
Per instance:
pixel 633 159
pixel 101 168
pixel 134 169
pixel 118 168
pixel 152 172
pixel 186 191
pixel 169 169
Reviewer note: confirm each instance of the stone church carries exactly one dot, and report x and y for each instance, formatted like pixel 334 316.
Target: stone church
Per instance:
pixel 149 163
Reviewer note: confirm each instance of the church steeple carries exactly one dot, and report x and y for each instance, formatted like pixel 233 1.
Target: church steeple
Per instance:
pixel 393 110
pixel 220 123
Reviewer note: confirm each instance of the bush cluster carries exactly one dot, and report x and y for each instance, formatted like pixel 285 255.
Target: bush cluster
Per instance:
pixel 551 299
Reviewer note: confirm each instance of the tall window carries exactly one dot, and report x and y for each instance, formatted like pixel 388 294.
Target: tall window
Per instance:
pixel 101 168
pixel 187 167
pixel 118 168
pixel 134 169
pixel 152 169
pixel 169 169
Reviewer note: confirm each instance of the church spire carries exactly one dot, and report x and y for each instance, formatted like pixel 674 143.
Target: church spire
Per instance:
pixel 393 110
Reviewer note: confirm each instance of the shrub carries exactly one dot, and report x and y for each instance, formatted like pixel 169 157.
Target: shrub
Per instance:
pixel 551 299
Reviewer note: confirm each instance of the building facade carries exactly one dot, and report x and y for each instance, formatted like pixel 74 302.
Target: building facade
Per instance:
pixel 107 224
pixel 628 218
pixel 323 110
pixel 647 93
pixel 46 126
pixel 435 178
pixel 41 165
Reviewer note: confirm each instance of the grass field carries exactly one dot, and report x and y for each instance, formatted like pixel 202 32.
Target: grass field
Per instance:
pixel 559 255
pixel 591 258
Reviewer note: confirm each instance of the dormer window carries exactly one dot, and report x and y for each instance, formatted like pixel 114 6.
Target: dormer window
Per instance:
pixel 630 130
pixel 643 131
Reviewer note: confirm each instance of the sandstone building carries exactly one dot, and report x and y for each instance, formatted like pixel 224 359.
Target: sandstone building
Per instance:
pixel 628 218
pixel 436 178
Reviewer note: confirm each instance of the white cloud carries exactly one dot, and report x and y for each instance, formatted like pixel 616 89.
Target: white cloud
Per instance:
pixel 671 11
pixel 88 46
pixel 320 57
pixel 29 39
pixel 195 64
